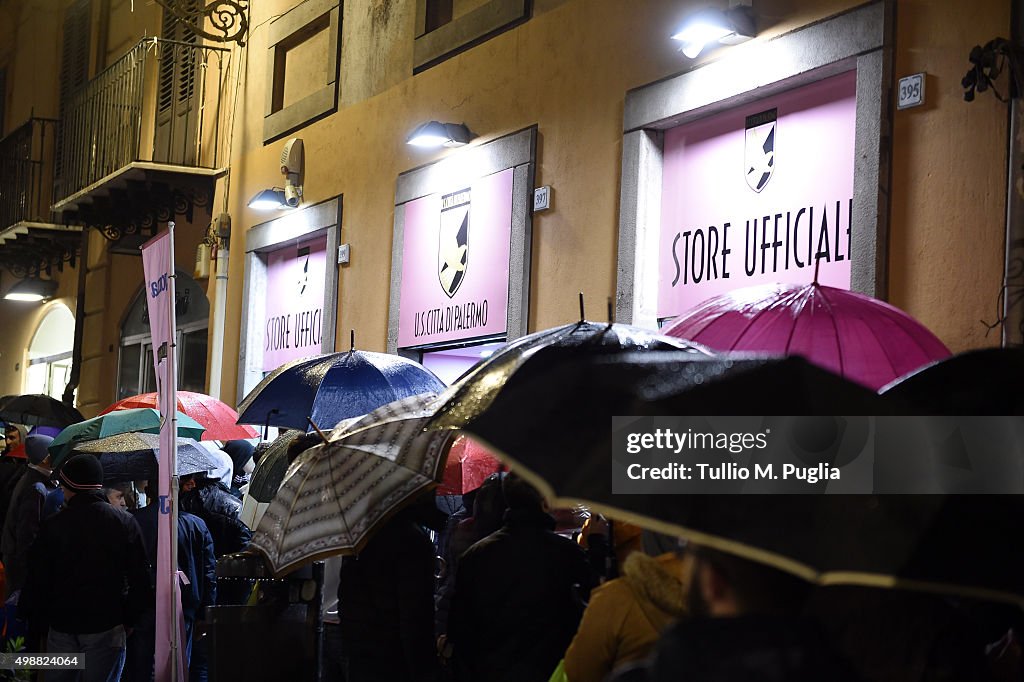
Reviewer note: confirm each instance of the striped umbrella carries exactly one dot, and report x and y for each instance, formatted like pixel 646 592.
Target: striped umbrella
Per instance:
pixel 335 495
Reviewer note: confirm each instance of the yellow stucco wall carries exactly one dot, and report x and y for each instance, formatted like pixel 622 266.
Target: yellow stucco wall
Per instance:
pixel 949 176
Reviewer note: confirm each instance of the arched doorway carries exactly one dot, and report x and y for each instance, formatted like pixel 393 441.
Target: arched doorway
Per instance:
pixel 192 316
pixel 49 353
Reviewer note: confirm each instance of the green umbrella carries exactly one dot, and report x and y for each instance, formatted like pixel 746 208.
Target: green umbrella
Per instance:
pixel 142 420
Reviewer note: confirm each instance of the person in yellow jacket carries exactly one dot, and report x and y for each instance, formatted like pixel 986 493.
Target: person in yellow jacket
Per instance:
pixel 625 616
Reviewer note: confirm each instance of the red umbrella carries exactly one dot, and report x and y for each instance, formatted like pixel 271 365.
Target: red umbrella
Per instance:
pixel 218 419
pixel 856 336
pixel 469 464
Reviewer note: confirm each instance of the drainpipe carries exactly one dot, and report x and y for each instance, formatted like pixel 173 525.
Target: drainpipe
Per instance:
pixel 223 229
pixel 76 353
pixel 1013 273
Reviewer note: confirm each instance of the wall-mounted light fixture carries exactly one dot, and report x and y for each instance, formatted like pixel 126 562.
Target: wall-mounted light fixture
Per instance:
pixel 437 134
pixel 730 27
pixel 32 289
pixel 289 196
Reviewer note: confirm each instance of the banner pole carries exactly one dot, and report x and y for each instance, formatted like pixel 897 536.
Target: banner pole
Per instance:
pixel 177 673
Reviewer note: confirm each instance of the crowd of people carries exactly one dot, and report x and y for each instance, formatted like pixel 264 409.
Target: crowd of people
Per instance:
pixel 514 600
pixel 495 592
pixel 79 554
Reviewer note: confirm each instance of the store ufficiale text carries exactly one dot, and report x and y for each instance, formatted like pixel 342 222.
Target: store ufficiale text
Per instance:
pixel 689 441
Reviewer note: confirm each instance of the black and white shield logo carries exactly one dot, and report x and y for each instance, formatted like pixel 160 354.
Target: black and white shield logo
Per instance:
pixel 303 280
pixel 453 241
pixel 759 149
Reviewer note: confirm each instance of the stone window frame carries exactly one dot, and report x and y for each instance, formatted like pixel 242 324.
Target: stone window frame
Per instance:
pixel 859 40
pixel 303 224
pixel 516 151
pixel 462 33
pixel 291 29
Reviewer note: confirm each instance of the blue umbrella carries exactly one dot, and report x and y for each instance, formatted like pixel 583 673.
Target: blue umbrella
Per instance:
pixel 333 387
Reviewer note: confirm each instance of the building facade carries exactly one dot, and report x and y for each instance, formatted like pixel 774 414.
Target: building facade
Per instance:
pixel 642 150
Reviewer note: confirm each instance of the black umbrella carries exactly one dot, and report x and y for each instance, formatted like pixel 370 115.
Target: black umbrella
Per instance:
pixel 38 410
pixel 978 382
pixel 553 422
pixel 473 392
pixel 269 473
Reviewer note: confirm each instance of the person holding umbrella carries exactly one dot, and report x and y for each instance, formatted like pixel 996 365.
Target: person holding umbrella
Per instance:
pixel 745 623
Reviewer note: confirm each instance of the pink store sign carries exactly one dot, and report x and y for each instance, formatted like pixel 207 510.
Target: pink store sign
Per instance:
pixel 757 194
pixel 293 324
pixel 455 263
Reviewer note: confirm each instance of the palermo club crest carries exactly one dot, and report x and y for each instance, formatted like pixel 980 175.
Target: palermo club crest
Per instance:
pixel 759 149
pixel 453 241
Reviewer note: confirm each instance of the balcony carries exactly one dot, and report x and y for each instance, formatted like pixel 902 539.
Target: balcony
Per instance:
pixel 30 240
pixel 139 144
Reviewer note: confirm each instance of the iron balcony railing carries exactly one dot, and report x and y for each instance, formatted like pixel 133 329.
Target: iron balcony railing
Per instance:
pixel 26 172
pixel 159 102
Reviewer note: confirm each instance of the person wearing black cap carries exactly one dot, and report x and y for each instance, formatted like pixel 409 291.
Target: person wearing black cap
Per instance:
pixel 24 511
pixel 79 567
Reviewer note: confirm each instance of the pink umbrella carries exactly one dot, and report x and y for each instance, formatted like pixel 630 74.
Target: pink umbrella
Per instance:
pixel 856 336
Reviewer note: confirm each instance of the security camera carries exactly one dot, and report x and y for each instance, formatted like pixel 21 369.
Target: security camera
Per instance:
pixel 291 168
pixel 291 157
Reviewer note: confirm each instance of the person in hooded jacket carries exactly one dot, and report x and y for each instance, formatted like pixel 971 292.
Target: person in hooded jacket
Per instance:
pixel 746 622
pixel 212 501
pixel 517 599
pixel 625 616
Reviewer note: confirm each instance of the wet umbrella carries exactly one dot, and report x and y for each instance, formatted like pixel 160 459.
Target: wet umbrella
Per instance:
pixel 217 418
pixel 336 495
pixel 978 382
pixel 856 336
pixel 474 391
pixel 950 544
pixel 467 466
pixel 133 456
pixel 143 420
pixel 334 387
pixel 269 473
pixel 38 410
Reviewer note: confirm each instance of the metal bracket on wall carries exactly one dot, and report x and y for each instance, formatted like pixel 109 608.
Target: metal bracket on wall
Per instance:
pixel 229 17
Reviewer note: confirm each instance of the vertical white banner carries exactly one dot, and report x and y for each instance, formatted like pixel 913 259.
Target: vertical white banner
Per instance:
pixel 158 267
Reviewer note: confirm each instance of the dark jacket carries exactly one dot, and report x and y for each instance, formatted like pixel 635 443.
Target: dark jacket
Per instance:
pixel 195 557
pixel 213 503
pixel 88 570
pixel 516 604
pixel 747 648
pixel 386 607
pixel 11 471
pixel 22 524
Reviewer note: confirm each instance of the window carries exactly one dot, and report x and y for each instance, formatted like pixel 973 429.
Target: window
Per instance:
pixel 135 365
pixel 49 353
pixel 446 27
pixel 302 67
pixel 74 63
